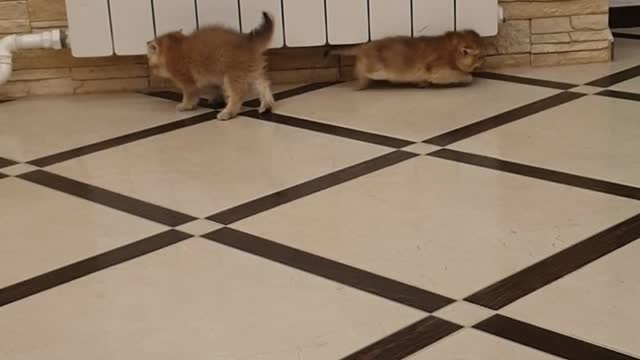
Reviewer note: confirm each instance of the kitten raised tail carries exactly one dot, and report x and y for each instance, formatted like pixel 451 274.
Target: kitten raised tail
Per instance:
pixel 261 36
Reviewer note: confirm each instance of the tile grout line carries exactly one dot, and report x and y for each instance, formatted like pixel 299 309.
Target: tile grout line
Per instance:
pixel 407 341
pixel 330 129
pixel 110 199
pixel 503 118
pixel 619 94
pixel 313 264
pixel 310 187
pixel 547 341
pixel 554 267
pixel 616 78
pixel 525 80
pixel 82 268
pixel 530 171
pixel 122 140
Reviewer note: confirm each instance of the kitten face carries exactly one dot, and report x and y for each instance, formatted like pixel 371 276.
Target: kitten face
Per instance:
pixel 470 54
pixel 157 50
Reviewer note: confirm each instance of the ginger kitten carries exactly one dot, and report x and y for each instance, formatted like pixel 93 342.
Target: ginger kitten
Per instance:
pixel 425 60
pixel 212 58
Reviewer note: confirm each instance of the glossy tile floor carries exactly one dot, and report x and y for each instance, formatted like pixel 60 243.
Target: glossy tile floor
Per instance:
pixel 492 222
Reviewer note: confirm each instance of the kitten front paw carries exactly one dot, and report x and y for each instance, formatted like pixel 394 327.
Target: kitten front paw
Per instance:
pixel 186 107
pixel 226 115
pixel 265 107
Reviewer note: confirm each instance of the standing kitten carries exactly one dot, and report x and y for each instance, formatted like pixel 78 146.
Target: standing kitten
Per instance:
pixel 215 57
pixel 425 60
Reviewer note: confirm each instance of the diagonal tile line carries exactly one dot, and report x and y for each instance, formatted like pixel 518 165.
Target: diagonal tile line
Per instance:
pixel 174 96
pixel 548 341
pixel 525 80
pixel 293 92
pixel 329 269
pixel 89 266
pixel 558 177
pixel 268 202
pixel 6 162
pixel 122 140
pixel 616 78
pixel 407 341
pixel 504 118
pixel 108 198
pixel 330 129
pixel 561 264
pixel 620 95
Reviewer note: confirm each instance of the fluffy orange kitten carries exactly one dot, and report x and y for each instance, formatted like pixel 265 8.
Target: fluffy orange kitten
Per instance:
pixel 212 58
pixel 425 60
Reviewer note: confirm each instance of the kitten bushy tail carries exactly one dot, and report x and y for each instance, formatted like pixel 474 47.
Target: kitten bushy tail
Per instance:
pixel 261 36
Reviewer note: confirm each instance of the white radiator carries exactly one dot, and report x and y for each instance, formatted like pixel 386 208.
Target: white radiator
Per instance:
pixel 122 27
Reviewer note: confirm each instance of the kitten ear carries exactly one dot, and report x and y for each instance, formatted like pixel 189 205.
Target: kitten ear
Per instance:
pixel 152 47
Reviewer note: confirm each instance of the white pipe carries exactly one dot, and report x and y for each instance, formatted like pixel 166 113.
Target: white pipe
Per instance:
pixel 12 43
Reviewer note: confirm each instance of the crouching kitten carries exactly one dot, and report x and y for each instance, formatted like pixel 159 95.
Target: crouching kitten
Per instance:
pixel 215 58
pixel 425 60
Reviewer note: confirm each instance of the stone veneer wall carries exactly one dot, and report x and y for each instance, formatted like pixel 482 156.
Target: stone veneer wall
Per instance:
pixel 551 32
pixel 538 33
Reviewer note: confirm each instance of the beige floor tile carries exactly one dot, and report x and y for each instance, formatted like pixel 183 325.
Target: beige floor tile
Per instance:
pixel 598 303
pixel 198 300
pixel 439 225
pixel 409 113
pixel 199 227
pixel 43 230
pixel 207 168
pixel 632 85
pixel 39 126
pixel 470 344
pixel 593 136
pixel 627 53
pixel 18 169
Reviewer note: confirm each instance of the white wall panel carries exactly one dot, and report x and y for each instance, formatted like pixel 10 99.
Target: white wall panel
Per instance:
pixel 433 17
pixel 132 22
pixel 479 15
pixel 174 15
pixel 347 21
pixel 223 12
pixel 89 28
pixel 304 22
pixel 251 13
pixel 389 18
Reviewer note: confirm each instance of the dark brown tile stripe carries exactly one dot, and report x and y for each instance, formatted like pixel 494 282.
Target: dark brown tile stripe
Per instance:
pixel 108 198
pixel 177 97
pixel 547 341
pixel 88 266
pixel 330 269
pixel 122 140
pixel 3 176
pixel 293 92
pixel 583 182
pixel 626 36
pixel 407 341
pixel 616 78
pixel 6 162
pixel 620 95
pixel 563 263
pixel 525 80
pixel 296 192
pixel 330 129
pixel 504 118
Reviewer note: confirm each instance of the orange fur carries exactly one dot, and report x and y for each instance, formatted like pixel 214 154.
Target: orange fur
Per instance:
pixel 212 58
pixel 425 60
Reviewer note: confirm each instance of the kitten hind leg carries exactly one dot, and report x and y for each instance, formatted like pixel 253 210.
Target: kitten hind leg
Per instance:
pixel 362 78
pixel 263 87
pixel 235 90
